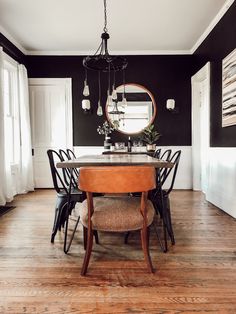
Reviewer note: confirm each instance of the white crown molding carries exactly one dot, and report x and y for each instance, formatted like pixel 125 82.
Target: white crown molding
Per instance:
pixel 122 52
pixel 213 23
pixel 13 40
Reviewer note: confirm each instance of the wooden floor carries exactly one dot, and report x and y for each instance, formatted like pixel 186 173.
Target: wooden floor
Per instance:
pixel 197 275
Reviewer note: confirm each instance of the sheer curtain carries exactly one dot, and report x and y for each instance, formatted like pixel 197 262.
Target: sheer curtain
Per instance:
pixel 6 187
pixel 26 165
pixel 18 178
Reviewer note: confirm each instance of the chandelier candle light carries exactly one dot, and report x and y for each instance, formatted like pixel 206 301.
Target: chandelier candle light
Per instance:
pixel 103 62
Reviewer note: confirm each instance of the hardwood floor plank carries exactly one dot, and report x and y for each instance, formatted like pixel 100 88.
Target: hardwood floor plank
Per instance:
pixel 197 275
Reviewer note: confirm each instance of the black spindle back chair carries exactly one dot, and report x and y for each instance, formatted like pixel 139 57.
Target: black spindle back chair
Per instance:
pixel 160 196
pixel 69 174
pixel 71 154
pixel 157 153
pixel 61 185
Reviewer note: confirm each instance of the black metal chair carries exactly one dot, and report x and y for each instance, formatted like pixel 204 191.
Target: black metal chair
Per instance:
pixel 160 196
pixel 157 153
pixel 65 193
pixel 71 154
pixel 166 155
pixel 67 173
pixel 160 173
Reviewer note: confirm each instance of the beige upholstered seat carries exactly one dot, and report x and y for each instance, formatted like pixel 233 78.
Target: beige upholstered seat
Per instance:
pixel 116 213
pixel 122 214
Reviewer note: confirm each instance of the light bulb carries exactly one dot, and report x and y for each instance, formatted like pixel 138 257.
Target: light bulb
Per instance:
pixel 124 102
pixel 86 89
pixel 99 110
pixel 114 93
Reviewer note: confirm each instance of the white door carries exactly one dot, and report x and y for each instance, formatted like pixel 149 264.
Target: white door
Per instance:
pixel 200 127
pixel 51 123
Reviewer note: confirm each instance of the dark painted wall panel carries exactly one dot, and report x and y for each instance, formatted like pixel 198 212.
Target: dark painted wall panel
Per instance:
pixel 165 76
pixel 219 43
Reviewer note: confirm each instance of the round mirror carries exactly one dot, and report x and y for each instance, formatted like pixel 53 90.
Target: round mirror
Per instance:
pixel 132 109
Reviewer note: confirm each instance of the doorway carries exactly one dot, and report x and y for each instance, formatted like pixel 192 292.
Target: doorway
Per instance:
pixel 201 128
pixel 51 123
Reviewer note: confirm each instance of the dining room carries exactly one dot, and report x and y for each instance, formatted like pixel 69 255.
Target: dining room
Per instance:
pixel 118 158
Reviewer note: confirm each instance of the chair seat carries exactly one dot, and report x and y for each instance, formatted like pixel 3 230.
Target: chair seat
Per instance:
pixel 118 214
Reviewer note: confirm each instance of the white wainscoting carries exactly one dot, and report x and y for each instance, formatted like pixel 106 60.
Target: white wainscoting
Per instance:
pixel 222 179
pixel 221 189
pixel 184 175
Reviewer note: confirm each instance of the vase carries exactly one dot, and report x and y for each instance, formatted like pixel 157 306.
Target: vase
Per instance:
pixel 107 143
pixel 151 147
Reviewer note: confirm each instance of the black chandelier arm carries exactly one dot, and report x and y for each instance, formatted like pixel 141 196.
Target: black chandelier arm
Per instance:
pixel 99 49
pixel 101 63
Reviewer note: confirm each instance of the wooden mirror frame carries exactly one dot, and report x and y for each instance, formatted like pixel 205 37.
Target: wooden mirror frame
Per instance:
pixel 153 103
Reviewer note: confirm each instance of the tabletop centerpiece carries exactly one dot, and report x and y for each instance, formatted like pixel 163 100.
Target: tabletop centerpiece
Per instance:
pixel 105 129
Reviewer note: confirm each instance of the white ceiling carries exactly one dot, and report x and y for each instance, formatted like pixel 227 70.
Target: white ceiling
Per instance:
pixel 135 26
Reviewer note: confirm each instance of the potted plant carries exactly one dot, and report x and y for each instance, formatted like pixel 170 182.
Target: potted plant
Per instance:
pixel 106 129
pixel 150 136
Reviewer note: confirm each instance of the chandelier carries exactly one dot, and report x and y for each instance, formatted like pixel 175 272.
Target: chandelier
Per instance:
pixel 103 62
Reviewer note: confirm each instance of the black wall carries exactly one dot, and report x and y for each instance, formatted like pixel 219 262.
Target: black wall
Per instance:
pixel 11 49
pixel 165 76
pixel 220 42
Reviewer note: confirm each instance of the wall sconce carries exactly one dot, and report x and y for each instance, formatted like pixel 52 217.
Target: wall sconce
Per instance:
pixel 86 106
pixel 170 105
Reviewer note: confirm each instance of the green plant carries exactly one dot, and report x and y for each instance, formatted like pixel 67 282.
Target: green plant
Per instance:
pixel 149 135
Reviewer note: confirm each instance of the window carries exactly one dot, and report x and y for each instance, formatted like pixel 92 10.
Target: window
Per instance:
pixel 11 112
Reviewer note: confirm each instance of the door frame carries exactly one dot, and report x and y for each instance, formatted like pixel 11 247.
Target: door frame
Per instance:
pixel 202 75
pixel 67 83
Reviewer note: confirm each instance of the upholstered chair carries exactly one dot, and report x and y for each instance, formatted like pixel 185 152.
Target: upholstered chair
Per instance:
pixel 121 213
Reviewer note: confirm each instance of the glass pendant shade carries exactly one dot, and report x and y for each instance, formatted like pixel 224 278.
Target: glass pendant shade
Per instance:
pixel 99 110
pixel 86 89
pixel 124 102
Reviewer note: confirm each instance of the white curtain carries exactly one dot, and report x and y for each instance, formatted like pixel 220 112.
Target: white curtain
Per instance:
pixel 6 187
pixel 18 179
pixel 26 165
